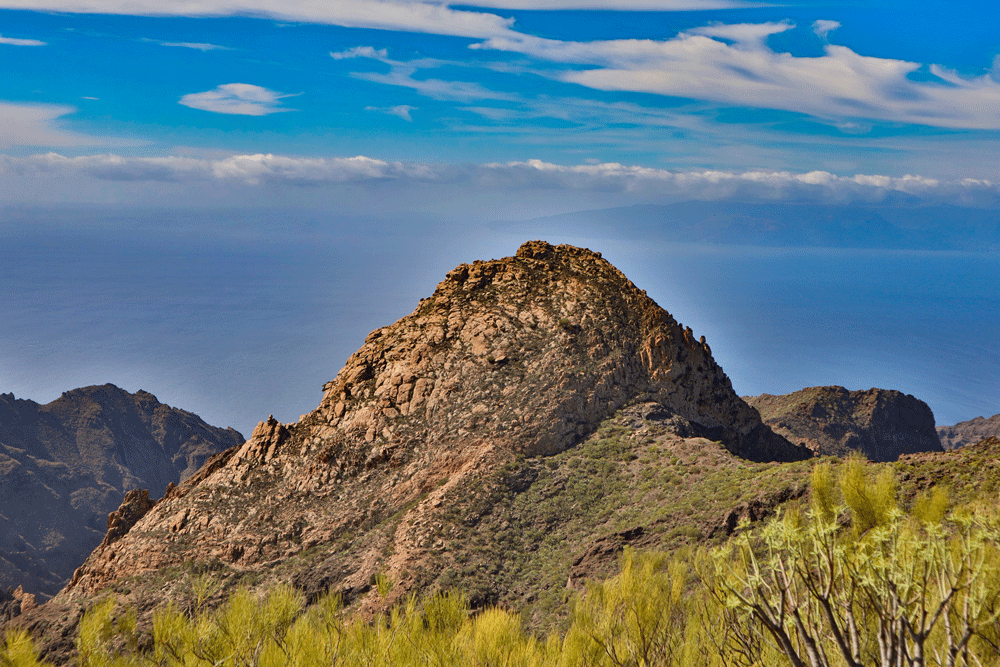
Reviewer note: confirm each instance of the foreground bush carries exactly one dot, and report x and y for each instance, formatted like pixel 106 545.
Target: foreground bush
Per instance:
pixel 894 590
pixel 851 581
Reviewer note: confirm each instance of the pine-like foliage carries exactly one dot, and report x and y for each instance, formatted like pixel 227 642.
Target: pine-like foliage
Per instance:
pixel 852 581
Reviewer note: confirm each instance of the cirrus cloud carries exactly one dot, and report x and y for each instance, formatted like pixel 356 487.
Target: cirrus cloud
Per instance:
pixel 242 99
pixel 733 65
pixel 198 46
pixel 20 42
pixel 401 110
pixel 360 52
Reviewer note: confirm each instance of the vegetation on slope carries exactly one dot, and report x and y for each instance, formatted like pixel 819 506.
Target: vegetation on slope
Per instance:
pixel 848 579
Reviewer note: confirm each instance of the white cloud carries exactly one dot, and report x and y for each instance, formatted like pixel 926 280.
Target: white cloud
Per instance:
pixel 250 169
pixel 746 34
pixel 616 5
pixel 403 15
pixel 462 91
pixel 402 110
pixel 638 182
pixel 823 27
pixel 196 45
pixel 401 74
pixel 237 98
pixel 20 42
pixel 702 64
pixel 360 52
pixel 38 125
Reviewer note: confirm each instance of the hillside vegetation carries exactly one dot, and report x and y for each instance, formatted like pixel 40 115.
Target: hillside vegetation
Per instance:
pixel 876 568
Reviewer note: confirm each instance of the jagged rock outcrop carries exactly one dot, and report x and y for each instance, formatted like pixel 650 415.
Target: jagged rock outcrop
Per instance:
pixel 14 602
pixel 522 356
pixel 66 465
pixel 881 424
pixel 134 506
pixel 969 432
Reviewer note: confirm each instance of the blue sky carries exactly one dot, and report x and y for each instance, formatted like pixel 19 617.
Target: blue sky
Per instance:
pixel 399 138
pixel 235 93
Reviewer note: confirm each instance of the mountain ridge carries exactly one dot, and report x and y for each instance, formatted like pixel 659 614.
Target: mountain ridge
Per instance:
pixel 65 465
pixel 969 432
pixel 793 224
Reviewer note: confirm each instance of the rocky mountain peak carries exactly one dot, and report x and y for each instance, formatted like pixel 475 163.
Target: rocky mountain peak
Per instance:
pixel 521 356
pixel 535 349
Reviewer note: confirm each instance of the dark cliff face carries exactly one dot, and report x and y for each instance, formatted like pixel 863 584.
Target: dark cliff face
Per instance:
pixel 969 432
pixel 519 357
pixel 881 424
pixel 66 465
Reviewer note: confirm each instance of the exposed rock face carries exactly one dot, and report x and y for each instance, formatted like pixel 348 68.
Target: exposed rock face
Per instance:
pixel 881 424
pixel 133 507
pixel 523 356
pixel 65 465
pixel 969 432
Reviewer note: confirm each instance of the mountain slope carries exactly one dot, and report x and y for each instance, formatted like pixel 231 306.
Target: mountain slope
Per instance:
pixel 66 465
pixel 969 432
pixel 512 358
pixel 881 424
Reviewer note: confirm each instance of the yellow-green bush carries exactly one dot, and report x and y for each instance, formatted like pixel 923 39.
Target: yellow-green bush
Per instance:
pixel 850 581
pixel 19 651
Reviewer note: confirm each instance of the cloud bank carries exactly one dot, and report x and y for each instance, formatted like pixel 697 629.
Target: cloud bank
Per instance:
pixel 243 99
pixel 640 183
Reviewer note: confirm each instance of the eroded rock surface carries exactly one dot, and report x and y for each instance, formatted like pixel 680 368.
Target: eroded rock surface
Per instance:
pixel 879 423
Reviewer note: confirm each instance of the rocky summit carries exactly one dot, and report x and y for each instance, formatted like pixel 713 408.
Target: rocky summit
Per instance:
pixel 522 356
pixel 425 441
pixel 881 424
pixel 65 465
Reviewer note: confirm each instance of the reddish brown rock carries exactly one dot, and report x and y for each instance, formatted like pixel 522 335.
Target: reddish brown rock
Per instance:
pixel 134 506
